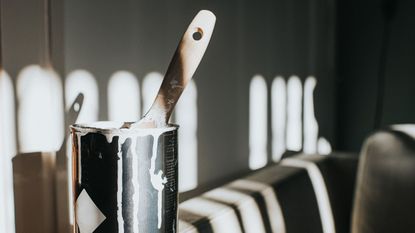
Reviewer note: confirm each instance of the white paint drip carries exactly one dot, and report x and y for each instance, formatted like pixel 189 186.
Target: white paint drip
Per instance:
pixel 120 219
pixel 156 118
pixel 136 186
pixel 157 180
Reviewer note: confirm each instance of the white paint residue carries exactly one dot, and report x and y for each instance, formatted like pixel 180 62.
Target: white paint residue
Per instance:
pixel 136 186
pixel 106 125
pixel 120 186
pixel 155 118
pixel 157 180
pixel 320 190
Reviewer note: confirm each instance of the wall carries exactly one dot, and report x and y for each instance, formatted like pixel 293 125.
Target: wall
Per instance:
pixel 374 43
pixel 90 41
pixel 269 38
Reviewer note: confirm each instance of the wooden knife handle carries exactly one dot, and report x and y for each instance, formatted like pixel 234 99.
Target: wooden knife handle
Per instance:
pixel 183 65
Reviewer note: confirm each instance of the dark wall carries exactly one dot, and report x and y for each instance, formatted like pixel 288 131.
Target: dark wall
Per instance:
pixel 376 57
pixel 284 37
pixel 270 38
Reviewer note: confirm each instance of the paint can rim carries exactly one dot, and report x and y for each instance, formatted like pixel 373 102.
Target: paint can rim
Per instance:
pixel 114 127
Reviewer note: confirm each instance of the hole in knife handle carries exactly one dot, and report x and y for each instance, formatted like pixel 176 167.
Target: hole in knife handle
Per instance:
pixel 76 107
pixel 198 34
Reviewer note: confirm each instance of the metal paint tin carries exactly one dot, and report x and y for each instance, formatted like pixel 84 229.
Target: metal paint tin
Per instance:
pixel 125 180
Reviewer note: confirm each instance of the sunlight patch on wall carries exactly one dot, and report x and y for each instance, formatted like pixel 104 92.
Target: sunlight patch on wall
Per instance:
pixel 294 114
pixel 310 122
pixel 294 126
pixel 186 116
pixel 7 151
pixel 82 81
pixel 7 118
pixel 123 97
pixel 258 122
pixel 40 112
pixel 278 108
pixel 151 84
pixel 323 146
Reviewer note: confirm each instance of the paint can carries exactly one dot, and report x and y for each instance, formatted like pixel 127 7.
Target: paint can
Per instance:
pixel 124 180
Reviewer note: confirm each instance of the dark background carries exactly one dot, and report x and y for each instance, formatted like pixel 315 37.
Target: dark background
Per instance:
pixel 375 41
